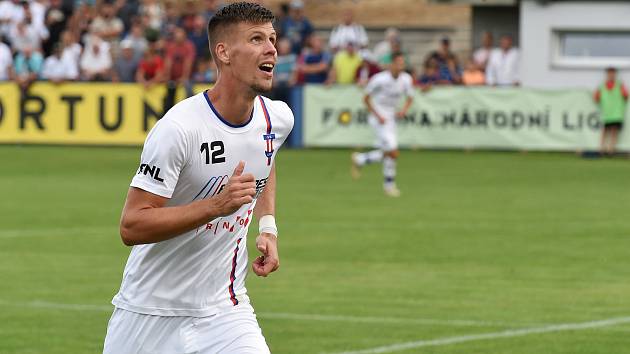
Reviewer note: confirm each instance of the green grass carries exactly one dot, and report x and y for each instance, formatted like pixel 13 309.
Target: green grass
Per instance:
pixel 512 240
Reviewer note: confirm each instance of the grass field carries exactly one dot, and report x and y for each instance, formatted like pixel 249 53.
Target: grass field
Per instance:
pixel 501 244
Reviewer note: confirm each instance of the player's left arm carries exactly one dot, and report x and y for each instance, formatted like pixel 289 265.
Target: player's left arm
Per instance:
pixel 409 92
pixel 267 242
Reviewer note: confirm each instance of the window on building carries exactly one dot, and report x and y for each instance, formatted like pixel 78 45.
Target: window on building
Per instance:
pixel 591 48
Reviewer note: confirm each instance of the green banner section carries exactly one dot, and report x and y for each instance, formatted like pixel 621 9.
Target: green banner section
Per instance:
pixel 462 117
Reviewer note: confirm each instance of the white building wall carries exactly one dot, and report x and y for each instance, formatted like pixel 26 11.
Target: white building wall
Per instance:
pixel 537 24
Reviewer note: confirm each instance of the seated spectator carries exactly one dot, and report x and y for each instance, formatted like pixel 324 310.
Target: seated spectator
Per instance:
pixel 199 38
pixel 188 15
pixel 127 11
pixel 210 7
pixel 482 54
pixel 56 18
pixel 170 21
pixel 430 76
pixel 369 67
pixel 126 64
pixel 27 67
pixel 296 27
pixel 447 63
pixel 107 26
pixel 503 65
pixel 136 37
pixel 314 63
pixel 395 47
pixel 206 71
pixel 473 75
pixel 345 65
pixel 56 69
pixel 284 71
pixel 6 62
pixel 25 34
pixel 152 10
pixel 96 60
pixel 384 48
pixel 348 32
pixel 151 68
pixel 11 12
pixel 71 53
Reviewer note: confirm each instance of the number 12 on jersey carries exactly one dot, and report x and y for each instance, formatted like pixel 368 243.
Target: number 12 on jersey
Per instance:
pixel 217 149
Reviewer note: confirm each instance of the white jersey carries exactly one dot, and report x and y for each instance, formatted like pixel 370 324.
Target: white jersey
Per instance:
pixel 386 92
pixel 189 155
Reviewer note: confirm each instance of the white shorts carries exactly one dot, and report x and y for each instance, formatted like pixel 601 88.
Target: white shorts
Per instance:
pixel 234 331
pixel 387 140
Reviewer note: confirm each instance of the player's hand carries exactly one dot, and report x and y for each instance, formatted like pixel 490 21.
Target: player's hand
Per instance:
pixel 381 120
pixel 239 190
pixel 263 265
pixel 400 115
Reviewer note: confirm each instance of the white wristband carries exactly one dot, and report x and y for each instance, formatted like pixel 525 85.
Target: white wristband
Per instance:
pixel 267 224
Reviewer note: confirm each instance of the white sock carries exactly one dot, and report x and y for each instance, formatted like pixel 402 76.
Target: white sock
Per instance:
pixel 389 172
pixel 369 157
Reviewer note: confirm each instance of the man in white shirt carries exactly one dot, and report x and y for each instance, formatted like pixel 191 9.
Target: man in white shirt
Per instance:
pixel 6 63
pixel 383 94
pixel 55 68
pixel 482 54
pixel 96 60
pixel 503 65
pixel 348 32
pixel 207 168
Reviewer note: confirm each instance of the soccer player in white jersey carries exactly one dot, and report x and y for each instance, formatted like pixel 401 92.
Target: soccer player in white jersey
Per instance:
pixel 383 94
pixel 207 168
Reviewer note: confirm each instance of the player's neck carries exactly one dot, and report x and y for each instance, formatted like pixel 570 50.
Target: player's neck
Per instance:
pixel 233 107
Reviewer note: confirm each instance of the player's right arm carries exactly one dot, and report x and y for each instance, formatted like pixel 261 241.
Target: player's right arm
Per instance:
pixel 372 86
pixel 147 219
pixel 368 103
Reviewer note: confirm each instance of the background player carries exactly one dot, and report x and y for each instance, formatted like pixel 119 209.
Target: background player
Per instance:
pixel 206 167
pixel 383 94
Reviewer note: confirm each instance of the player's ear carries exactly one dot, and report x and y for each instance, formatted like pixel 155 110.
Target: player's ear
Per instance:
pixel 222 53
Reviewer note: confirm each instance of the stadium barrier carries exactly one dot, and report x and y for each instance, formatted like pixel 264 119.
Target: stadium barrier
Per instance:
pixel 462 117
pixel 326 116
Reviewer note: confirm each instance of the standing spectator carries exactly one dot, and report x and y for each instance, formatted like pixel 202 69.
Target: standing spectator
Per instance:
pixel 96 60
pixel 345 65
pixel 473 75
pixel 348 32
pixel 612 97
pixel 284 72
pixel 448 65
pixel 28 67
pixel 136 37
pixel 296 27
pixel 71 53
pixel 6 63
pixel 151 68
pixel 80 21
pixel 199 38
pixel 384 48
pixel 482 54
pixel 127 11
pixel 153 11
pixel 180 56
pixel 187 16
pixel 503 65
pixel 107 26
pixel 314 63
pixel 56 18
pixel 210 7
pixel 170 20
pixel 55 69
pixel 126 63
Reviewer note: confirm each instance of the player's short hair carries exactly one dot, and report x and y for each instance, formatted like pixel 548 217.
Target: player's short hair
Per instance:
pixel 397 54
pixel 233 14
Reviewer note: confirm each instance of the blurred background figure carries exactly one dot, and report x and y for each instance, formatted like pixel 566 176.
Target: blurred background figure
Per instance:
pixel 6 62
pixel 369 67
pixel 503 64
pixel 430 75
pixel 447 63
pixel 314 63
pixel 383 49
pixel 55 69
pixel 151 67
pixel 612 97
pixel 107 26
pixel 71 53
pixel 210 7
pixel 126 64
pixel 96 60
pixel 473 75
pixel 153 11
pixel 345 65
pixel 482 54
pixel 28 67
pixel 296 27
pixel 136 38
pixel 178 65
pixel 346 32
pixel 56 18
pixel 284 72
pixel 205 72
pixel 199 38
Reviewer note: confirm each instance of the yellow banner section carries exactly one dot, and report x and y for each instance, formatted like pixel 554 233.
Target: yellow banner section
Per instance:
pixel 81 113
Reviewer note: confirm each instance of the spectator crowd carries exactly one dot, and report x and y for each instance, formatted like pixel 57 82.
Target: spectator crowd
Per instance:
pixel 164 42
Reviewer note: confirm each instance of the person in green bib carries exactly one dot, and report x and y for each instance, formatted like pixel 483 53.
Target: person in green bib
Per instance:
pixel 612 97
